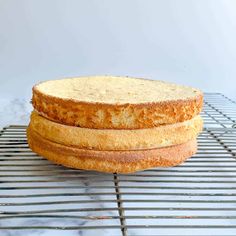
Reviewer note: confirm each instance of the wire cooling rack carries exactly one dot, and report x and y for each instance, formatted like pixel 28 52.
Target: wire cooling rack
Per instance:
pixel 195 198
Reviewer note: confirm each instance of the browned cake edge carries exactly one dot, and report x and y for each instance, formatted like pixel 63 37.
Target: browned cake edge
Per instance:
pixel 115 116
pixel 114 139
pixel 111 161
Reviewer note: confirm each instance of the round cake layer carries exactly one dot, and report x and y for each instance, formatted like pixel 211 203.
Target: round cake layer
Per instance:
pixel 108 102
pixel 110 161
pixel 113 139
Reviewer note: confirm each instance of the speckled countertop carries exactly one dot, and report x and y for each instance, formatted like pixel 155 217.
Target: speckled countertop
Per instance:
pixel 199 193
pixel 17 112
pixel 14 111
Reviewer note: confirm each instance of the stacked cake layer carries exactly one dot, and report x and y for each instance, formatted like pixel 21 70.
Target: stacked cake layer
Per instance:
pixel 114 124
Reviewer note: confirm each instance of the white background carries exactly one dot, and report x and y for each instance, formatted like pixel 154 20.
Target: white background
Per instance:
pixel 187 42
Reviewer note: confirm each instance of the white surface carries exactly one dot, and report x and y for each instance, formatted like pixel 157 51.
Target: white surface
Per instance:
pixel 204 185
pixel 14 112
pixel 187 42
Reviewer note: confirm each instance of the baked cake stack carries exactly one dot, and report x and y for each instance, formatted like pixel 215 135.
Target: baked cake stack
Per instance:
pixel 114 124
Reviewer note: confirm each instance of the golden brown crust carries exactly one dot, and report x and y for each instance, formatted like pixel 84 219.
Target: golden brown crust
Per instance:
pixel 115 116
pixel 112 139
pixel 110 161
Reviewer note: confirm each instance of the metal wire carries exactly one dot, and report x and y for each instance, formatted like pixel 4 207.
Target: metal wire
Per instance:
pixel 195 198
pixel 219 111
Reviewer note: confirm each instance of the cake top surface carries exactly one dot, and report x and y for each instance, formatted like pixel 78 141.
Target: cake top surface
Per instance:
pixel 116 90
